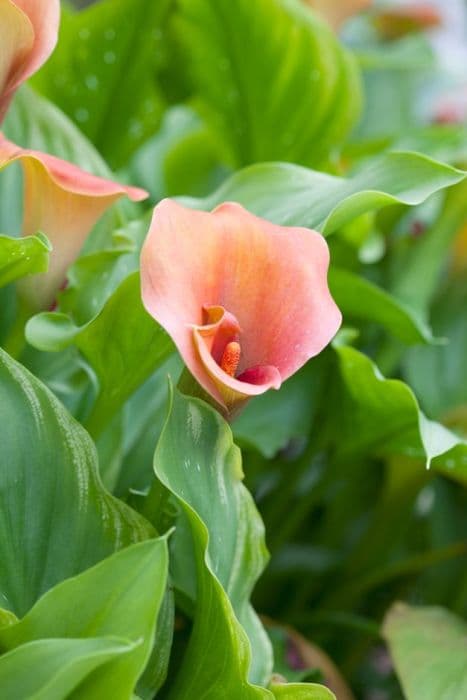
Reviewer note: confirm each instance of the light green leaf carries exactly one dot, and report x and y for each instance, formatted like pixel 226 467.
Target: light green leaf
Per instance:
pixel 103 73
pixel 23 256
pixel 270 77
pixel 381 416
pixel 51 669
pixel 34 122
pixel 138 347
pixel 56 518
pixel 197 461
pixel 295 196
pixel 360 299
pixel 301 691
pixel 429 649
pixel 119 597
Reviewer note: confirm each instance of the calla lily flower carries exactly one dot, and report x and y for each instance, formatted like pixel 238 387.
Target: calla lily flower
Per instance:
pixel 336 12
pixel 245 301
pixel 28 34
pixel 65 203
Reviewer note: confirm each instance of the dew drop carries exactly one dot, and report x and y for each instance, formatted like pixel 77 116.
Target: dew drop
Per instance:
pixel 84 33
pixel 82 115
pixel 92 82
pixel 110 57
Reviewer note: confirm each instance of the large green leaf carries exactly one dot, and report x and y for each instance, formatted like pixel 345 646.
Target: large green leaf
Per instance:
pixel 359 299
pixel 119 597
pixel 428 646
pixel 270 78
pixel 51 669
pixel 197 461
pixel 292 195
pixel 381 417
pixel 22 256
pixel 56 518
pixel 138 346
pixel 103 73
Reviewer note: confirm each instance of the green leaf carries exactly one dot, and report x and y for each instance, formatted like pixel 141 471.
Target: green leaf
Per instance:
pixel 119 597
pixel 301 691
pixel 359 299
pixel 56 518
pixel 291 195
pixel 51 669
pixel 313 80
pixel 103 73
pixel 23 256
pixel 138 347
pixel 197 461
pixel 445 394
pixel 34 122
pixel 428 646
pixel 381 417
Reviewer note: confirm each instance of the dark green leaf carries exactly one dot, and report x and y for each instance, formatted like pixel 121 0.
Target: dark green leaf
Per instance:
pixel 56 519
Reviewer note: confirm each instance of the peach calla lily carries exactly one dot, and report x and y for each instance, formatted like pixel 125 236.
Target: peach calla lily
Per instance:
pixel 65 203
pixel 336 12
pixel 245 301
pixel 28 34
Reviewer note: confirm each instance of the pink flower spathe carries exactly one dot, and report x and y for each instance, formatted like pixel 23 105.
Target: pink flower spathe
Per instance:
pixel 245 301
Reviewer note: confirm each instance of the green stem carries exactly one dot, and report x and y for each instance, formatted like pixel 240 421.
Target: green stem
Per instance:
pixel 15 341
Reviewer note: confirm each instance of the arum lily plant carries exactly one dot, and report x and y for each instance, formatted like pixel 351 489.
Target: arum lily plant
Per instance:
pixel 233 426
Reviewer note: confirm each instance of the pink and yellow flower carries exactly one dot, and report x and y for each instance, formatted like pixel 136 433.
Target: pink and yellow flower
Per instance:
pixel 28 35
pixel 65 203
pixel 60 199
pixel 245 301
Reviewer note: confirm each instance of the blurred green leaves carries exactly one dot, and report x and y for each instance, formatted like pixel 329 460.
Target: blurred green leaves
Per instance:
pixel 103 73
pixel 270 78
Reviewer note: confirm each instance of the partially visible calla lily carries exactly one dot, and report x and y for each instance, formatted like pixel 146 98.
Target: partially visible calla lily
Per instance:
pixel 336 12
pixel 28 34
pixel 63 202
pixel 245 301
